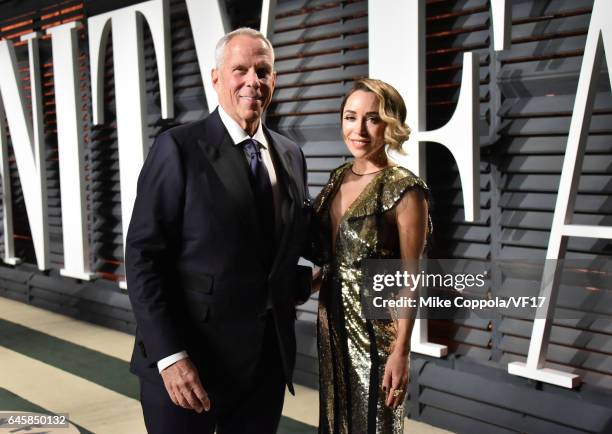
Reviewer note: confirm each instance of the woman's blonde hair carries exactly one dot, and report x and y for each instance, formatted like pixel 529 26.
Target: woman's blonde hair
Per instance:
pixel 391 109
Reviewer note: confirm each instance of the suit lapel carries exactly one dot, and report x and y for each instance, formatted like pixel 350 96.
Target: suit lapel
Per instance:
pixel 232 169
pixel 230 165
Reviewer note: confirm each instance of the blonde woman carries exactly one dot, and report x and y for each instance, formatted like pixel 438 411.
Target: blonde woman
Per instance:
pixel 370 208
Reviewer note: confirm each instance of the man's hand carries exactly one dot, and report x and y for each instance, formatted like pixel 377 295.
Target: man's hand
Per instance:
pixel 183 385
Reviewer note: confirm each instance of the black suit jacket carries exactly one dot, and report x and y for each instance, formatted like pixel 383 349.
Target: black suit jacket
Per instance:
pixel 196 277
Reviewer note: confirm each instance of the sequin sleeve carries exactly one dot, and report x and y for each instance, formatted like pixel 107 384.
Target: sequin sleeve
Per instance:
pixel 394 191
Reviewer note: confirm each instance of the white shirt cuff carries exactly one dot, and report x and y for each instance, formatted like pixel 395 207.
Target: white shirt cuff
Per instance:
pixel 171 359
pixel 305 262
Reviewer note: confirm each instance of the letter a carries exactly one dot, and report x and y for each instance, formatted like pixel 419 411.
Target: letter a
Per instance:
pixel 599 41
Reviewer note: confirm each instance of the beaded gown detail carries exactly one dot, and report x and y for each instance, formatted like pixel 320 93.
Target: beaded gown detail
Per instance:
pixel 353 351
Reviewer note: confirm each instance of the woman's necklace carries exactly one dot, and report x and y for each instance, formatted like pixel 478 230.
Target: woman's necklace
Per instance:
pixel 369 173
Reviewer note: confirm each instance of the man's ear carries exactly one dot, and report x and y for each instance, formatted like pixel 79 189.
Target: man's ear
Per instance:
pixel 214 75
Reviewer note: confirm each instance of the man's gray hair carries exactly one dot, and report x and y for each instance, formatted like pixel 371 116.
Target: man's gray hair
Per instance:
pixel 244 31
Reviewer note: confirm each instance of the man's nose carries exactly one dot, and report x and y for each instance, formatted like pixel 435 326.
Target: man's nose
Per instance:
pixel 251 78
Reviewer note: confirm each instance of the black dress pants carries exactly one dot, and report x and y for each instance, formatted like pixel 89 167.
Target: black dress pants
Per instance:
pixel 255 412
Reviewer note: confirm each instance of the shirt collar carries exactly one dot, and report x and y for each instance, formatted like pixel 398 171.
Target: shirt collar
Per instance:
pixel 236 132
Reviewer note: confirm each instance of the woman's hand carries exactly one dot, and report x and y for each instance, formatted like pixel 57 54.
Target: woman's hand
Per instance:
pixel 395 380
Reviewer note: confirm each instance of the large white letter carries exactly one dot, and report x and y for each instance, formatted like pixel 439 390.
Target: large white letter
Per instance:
pixel 208 25
pixel 401 23
pixel 501 10
pixel 266 26
pixel 128 61
pixel 70 144
pixel 7 201
pixel 599 42
pixel 27 139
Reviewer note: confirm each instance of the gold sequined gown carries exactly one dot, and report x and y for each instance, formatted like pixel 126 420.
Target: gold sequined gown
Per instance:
pixel 353 351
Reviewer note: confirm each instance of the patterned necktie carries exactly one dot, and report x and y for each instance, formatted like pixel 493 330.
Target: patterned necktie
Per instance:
pixel 262 189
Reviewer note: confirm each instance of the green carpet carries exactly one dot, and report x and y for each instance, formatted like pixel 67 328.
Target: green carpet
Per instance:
pixel 94 366
pixel 11 402
pixel 99 368
pixel 290 426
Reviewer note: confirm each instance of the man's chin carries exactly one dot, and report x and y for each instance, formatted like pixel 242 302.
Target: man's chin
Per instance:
pixel 251 115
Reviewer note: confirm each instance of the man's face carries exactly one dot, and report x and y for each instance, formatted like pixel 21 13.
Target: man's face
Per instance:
pixel 245 80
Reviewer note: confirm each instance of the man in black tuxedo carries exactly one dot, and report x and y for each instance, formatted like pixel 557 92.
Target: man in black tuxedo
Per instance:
pixel 218 226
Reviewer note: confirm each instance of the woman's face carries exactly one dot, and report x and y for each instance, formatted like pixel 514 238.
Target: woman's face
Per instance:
pixel 362 128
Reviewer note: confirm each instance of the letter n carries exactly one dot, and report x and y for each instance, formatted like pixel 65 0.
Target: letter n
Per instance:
pixel 27 140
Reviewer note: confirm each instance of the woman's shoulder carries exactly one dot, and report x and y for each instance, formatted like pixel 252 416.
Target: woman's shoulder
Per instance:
pixel 334 177
pixel 338 171
pixel 395 182
pixel 387 190
pixel 399 177
pixel 337 174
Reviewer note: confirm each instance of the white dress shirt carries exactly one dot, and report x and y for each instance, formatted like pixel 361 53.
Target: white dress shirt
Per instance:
pixel 238 136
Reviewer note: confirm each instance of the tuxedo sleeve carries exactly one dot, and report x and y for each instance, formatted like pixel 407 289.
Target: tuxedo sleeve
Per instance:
pixel 152 246
pixel 304 273
pixel 306 248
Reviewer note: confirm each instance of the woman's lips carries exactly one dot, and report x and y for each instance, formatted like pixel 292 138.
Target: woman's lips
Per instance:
pixel 359 143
